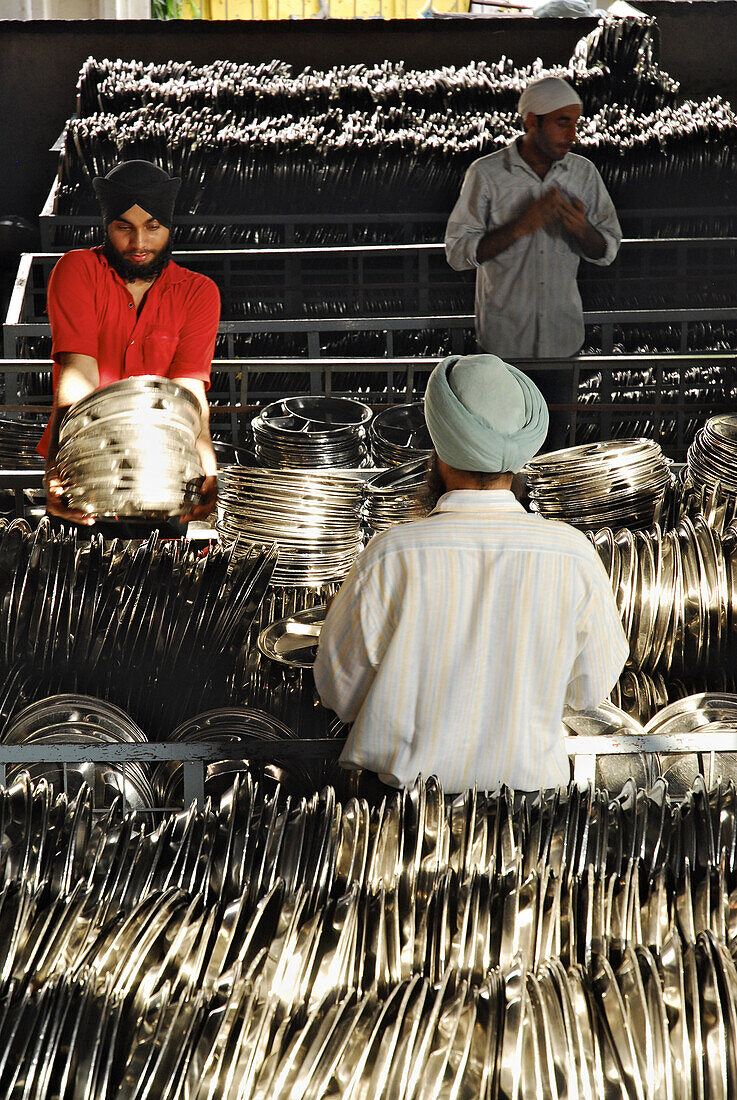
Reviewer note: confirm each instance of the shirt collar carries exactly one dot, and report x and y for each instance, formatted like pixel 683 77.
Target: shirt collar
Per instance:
pixel 517 161
pixel 478 500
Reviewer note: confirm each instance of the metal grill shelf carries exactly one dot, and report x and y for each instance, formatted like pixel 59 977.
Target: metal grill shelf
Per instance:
pixel 242 385
pixel 583 751
pixel 308 292
pixel 63 231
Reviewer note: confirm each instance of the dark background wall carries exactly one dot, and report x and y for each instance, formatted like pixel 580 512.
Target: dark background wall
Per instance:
pixel 39 62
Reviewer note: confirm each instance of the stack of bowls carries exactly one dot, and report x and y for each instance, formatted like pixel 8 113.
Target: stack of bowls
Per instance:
pixel 312 432
pixel 615 484
pixel 129 449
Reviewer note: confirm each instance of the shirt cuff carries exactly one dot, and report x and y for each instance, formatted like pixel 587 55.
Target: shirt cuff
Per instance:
pixel 77 348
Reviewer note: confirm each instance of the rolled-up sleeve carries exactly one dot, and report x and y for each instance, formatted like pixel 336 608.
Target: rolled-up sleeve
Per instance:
pixel 71 307
pixel 468 222
pixel 603 217
pixel 343 672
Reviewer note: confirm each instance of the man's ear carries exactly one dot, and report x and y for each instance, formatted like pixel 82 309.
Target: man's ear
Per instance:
pixel 530 121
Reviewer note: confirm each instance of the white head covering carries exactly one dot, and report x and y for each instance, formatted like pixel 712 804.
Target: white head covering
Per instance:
pixel 484 414
pixel 546 95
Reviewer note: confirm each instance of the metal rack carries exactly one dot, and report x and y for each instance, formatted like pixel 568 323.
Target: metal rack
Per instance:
pixel 242 385
pixel 294 228
pixel 309 285
pixel 583 751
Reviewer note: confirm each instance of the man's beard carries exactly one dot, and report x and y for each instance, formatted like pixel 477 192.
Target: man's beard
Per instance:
pixel 129 271
pixel 434 486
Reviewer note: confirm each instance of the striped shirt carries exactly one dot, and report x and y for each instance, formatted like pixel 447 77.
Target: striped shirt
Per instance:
pixel 527 300
pixel 456 640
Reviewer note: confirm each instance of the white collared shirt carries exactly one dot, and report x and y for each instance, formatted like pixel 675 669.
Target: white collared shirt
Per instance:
pixel 527 299
pixel 456 640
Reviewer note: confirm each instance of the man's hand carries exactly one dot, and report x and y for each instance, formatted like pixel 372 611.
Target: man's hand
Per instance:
pixel 534 217
pixel 208 500
pixel 55 505
pixel 540 213
pixel 573 219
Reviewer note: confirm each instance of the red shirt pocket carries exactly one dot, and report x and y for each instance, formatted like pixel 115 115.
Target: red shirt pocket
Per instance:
pixel 159 348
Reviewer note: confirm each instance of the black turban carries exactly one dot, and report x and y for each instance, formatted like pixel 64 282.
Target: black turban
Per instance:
pixel 137 183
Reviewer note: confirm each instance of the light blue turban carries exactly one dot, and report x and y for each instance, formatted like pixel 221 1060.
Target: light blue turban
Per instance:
pixel 484 415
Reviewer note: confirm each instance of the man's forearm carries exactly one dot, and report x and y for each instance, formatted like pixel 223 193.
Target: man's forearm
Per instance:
pixel 206 451
pixel 54 424
pixel 593 244
pixel 498 241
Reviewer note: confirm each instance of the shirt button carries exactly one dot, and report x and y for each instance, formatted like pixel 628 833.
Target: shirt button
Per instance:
pixel 130 305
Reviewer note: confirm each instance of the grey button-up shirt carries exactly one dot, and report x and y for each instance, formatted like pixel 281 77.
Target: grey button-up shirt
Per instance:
pixel 527 300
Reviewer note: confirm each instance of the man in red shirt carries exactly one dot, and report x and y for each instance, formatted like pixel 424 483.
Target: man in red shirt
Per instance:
pixel 126 309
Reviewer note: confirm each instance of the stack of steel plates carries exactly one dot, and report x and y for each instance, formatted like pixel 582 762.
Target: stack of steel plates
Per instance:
pixel 313 517
pixel 712 457
pixel 129 449
pixel 82 720
pixel 310 432
pixel 18 440
pixel 675 592
pixel 396 496
pixel 611 484
pixel 399 434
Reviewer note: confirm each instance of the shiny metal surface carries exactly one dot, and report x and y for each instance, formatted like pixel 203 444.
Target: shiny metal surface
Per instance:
pixel 18 440
pixel 310 432
pixel 293 641
pixel 312 516
pixel 597 485
pixel 154 627
pixel 129 449
pixel 396 495
pixel 711 462
pixel 674 594
pixel 399 435
pixel 570 945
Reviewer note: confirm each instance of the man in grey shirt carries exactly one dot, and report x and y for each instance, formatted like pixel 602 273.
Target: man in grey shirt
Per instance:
pixel 525 217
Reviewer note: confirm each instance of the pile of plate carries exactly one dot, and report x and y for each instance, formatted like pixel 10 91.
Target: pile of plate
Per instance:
pixel 612 772
pixel 396 495
pixel 611 484
pixel 82 720
pixel 313 517
pixel 705 713
pixel 129 449
pixel 712 457
pixel 18 440
pixel 571 944
pixel 676 592
pixel 310 432
pixel 155 627
pixel 399 434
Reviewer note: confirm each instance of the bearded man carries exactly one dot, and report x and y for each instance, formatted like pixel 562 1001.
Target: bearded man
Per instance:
pixel 126 308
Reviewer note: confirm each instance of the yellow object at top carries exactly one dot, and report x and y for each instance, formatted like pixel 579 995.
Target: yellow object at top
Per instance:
pixel 309 9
